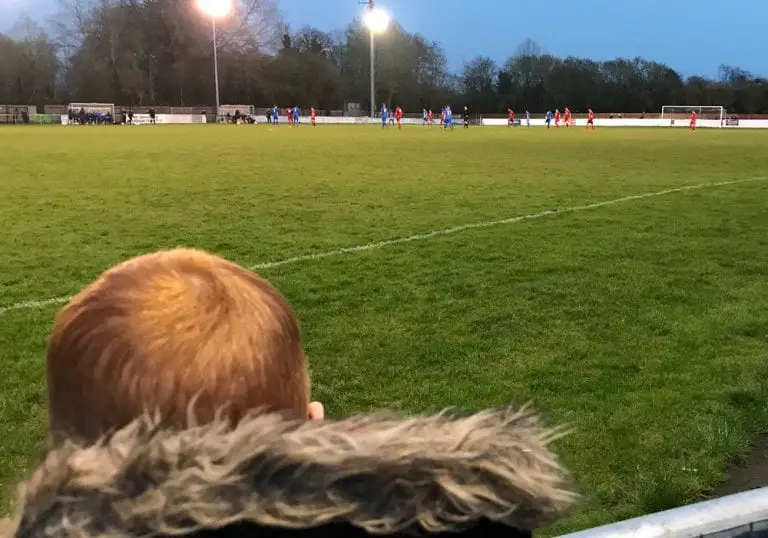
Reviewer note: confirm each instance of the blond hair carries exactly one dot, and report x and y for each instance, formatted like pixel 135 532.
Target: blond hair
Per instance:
pixel 169 330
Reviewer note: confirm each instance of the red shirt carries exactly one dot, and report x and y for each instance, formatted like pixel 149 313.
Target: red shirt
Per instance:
pixel 693 116
pixel 312 112
pixel 399 113
pixel 567 113
pixel 511 115
pixel 591 115
pixel 557 114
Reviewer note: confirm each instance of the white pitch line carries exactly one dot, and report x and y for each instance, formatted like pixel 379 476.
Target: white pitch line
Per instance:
pixel 24 305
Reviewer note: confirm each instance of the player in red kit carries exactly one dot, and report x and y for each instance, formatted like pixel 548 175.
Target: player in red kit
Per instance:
pixel 567 117
pixel 289 113
pixel 313 116
pixel 442 118
pixel 399 116
pixel 694 116
pixel 510 117
pixel 591 119
pixel 431 117
pixel 557 117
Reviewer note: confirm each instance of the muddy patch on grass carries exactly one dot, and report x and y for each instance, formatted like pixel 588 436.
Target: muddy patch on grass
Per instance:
pixel 751 474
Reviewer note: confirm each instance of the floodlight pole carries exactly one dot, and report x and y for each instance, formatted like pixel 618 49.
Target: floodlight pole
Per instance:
pixel 373 66
pixel 216 66
pixel 373 77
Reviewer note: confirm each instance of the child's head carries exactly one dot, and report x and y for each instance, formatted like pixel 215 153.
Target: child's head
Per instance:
pixel 168 330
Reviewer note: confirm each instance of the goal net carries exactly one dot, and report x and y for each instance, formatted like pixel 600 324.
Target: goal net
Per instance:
pixel 94 112
pixel 708 116
pixel 230 111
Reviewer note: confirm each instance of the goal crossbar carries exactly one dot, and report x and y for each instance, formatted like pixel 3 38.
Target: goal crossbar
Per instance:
pixel 708 115
pixel 93 108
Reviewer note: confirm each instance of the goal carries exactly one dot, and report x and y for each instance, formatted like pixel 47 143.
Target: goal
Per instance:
pixel 245 110
pixel 708 116
pixel 103 108
pixel 97 112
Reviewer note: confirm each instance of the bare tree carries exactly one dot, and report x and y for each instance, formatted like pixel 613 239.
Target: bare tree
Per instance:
pixel 28 64
pixel 140 52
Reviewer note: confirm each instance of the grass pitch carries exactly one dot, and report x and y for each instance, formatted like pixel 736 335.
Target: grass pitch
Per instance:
pixel 641 323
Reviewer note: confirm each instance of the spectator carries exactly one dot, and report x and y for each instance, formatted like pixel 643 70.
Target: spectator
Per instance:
pixel 180 329
pixel 486 475
pixel 173 331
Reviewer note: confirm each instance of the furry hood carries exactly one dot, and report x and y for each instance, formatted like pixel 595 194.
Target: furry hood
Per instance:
pixel 378 473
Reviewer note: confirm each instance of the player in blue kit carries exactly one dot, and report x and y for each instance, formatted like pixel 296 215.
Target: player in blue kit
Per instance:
pixel 549 118
pixel 296 115
pixel 448 118
pixel 384 114
pixel 275 116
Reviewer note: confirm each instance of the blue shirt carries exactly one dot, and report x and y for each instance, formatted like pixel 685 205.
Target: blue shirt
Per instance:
pixel 274 112
pixel 296 112
pixel 448 113
pixel 549 115
pixel 383 112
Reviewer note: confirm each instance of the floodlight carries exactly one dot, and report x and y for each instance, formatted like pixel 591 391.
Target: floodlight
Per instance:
pixel 376 20
pixel 215 8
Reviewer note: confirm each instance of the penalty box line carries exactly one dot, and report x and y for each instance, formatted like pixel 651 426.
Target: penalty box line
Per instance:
pixel 26 305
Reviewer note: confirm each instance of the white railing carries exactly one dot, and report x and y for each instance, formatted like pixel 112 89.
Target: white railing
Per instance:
pixel 744 515
pixel 475 121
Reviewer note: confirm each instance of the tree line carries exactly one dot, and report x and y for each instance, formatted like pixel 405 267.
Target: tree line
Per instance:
pixel 160 52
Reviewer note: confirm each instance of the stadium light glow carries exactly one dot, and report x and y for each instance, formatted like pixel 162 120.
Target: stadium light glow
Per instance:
pixel 376 20
pixel 215 8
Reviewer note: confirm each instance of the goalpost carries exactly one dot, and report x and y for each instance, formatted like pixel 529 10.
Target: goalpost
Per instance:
pixel 245 110
pixel 708 116
pixel 103 110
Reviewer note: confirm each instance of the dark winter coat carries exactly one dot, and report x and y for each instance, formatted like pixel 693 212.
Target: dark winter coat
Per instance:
pixel 489 474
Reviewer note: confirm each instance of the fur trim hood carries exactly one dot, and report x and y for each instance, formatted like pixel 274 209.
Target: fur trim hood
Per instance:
pixel 377 473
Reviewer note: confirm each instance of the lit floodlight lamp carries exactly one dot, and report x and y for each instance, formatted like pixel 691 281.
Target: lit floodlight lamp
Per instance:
pixel 376 20
pixel 215 8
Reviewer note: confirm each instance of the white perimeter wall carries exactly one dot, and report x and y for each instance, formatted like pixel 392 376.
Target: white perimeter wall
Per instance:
pixel 141 119
pixel 636 122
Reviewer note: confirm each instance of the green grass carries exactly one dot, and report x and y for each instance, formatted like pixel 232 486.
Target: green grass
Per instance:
pixel 643 324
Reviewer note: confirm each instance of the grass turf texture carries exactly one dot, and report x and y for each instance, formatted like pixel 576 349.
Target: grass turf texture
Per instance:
pixel 642 324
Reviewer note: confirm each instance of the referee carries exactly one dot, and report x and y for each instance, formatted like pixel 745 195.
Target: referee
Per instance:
pixel 466 117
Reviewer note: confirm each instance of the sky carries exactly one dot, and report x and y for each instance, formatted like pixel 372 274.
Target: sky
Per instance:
pixel 692 36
